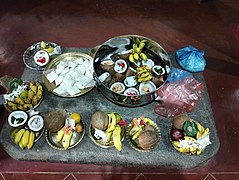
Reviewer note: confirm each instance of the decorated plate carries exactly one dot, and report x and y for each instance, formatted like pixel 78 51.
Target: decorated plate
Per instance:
pixel 99 142
pixel 29 98
pixel 69 75
pixel 134 143
pixel 74 141
pixel 28 55
pixel 189 137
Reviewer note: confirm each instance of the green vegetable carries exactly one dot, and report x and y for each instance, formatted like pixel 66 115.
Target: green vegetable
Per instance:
pixel 118 117
pixel 14 83
pixel 190 128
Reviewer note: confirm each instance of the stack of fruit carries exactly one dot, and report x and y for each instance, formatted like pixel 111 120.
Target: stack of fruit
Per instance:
pixel 189 136
pixel 25 96
pixel 65 134
pixel 143 74
pixel 142 134
pixel 24 138
pixel 136 52
pixel 108 129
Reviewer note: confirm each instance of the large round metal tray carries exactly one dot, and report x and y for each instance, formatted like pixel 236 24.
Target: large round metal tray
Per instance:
pixel 137 148
pixel 75 140
pixel 71 56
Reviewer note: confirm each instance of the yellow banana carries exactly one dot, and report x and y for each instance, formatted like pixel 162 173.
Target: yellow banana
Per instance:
pixel 34 88
pixel 25 138
pixel 49 49
pixel 67 140
pixel 117 138
pixel 143 56
pixel 109 135
pixel 189 138
pixel 39 95
pixel 20 144
pixel 27 106
pixel 34 100
pixel 141 45
pixel 199 151
pixel 13 133
pixel 20 107
pixel 19 100
pixel 184 150
pixel 31 140
pixel 175 143
pixel 135 47
pixel 113 122
pixel 131 58
pixel 19 135
pixel 60 135
pixel 199 127
pixel 136 56
pixel 132 51
pixel 43 45
pixel 39 87
pixel 30 94
pixel 27 100
pixel 149 121
pixel 23 94
pixel 136 135
pixel 134 130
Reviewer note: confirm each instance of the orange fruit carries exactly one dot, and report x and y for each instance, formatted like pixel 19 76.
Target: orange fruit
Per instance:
pixel 76 117
pixel 79 128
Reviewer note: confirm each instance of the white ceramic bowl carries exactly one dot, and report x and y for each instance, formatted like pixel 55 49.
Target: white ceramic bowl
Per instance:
pixel 120 66
pixel 147 87
pixel 131 92
pixel 130 81
pixel 17 118
pixel 117 87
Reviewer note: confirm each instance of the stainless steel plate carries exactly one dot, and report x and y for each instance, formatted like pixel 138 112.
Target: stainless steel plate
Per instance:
pixel 29 53
pixel 71 56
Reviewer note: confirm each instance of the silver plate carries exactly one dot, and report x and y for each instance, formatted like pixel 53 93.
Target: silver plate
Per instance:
pixel 29 53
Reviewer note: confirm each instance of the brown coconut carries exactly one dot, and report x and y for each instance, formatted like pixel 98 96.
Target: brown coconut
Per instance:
pixel 100 120
pixel 148 139
pixel 179 120
pixel 55 120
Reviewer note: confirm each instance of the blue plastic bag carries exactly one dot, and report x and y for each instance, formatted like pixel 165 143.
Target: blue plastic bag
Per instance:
pixel 191 59
pixel 177 74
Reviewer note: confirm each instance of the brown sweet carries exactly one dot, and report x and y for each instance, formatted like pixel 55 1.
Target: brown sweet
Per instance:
pixel 55 120
pixel 99 120
pixel 179 120
pixel 148 139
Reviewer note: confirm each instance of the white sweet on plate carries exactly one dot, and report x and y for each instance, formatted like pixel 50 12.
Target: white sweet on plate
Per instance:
pixel 71 77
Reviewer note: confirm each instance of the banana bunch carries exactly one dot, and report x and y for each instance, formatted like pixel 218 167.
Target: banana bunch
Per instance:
pixel 28 98
pixel 136 52
pixel 192 149
pixel 45 47
pixel 201 130
pixel 114 131
pixel 24 138
pixel 143 74
pixel 64 137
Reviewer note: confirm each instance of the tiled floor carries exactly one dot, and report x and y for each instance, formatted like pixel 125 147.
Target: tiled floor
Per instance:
pixel 212 26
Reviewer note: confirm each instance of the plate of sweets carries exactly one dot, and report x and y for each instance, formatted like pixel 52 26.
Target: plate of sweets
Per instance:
pixel 143 134
pixel 189 136
pixel 107 129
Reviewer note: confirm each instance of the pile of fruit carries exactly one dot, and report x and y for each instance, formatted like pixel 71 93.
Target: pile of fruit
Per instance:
pixel 142 133
pixel 24 138
pixel 189 136
pixel 24 96
pixel 136 52
pixel 108 128
pixel 143 74
pixel 65 134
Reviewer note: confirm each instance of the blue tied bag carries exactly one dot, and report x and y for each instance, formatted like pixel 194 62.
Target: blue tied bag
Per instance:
pixel 191 59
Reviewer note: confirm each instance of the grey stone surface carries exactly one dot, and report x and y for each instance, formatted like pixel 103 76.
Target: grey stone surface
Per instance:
pixel 86 152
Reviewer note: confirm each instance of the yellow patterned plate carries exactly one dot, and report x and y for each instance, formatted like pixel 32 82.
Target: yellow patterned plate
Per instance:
pixel 66 57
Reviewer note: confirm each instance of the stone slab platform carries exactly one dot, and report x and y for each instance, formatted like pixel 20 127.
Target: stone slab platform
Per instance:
pixel 165 156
